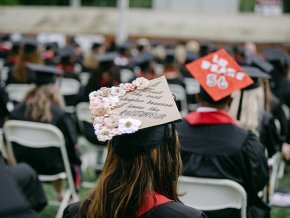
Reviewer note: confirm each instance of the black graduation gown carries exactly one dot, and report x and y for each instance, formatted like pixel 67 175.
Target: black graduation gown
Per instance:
pixel 167 210
pixel 38 157
pixel 226 151
pixel 27 183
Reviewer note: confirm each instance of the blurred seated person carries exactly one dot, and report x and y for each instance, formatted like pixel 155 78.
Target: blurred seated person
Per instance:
pixel 5 45
pixel 28 184
pixel 45 104
pixel 66 62
pixel 145 65
pixel 29 53
pixel 252 110
pixel 124 55
pixel 213 146
pixel 89 62
pixel 49 53
pixel 171 71
pixel 105 75
pixel 13 55
pixel 140 175
pixel 3 106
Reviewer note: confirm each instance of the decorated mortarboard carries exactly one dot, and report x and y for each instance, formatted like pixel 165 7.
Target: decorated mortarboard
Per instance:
pixel 219 74
pixel 29 45
pixel 42 74
pixel 133 115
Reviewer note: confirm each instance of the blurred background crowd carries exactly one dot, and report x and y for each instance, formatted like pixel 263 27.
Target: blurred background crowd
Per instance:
pixel 91 60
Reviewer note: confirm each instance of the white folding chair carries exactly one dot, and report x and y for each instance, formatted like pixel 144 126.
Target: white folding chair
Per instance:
pixel 40 135
pixel 69 86
pixel 192 87
pixel 180 95
pixel 274 164
pixel 83 115
pixel 17 92
pixel 212 194
pixel 84 78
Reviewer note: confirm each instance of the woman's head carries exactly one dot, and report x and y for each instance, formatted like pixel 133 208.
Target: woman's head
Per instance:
pixel 39 100
pixel 128 176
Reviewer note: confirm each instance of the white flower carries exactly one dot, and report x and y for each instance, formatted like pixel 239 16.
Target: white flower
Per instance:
pixel 104 134
pixel 128 125
pixel 100 110
pixel 111 121
pixel 117 91
pixel 111 101
pixel 93 94
pixel 141 83
pixel 98 120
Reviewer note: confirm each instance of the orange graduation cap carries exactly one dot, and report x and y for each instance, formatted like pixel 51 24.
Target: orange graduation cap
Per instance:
pixel 219 74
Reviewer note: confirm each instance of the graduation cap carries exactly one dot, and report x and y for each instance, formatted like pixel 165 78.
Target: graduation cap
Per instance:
pixel 142 59
pixel 42 74
pixel 276 55
pixel 29 45
pixel 255 72
pixel 190 56
pixel 12 201
pixel 256 61
pixel 219 74
pixel 133 115
pixel 107 57
pixel 5 37
pixel 65 52
pixel 169 57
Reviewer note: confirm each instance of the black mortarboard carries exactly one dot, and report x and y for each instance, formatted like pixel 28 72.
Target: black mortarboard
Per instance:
pixel 138 143
pixel 276 55
pixel 42 74
pixel 256 61
pixel 12 201
pixel 5 37
pixel 29 45
pixel 169 56
pixel 65 52
pixel 255 72
pixel 107 57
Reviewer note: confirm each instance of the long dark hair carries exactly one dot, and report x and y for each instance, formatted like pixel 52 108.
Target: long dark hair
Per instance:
pixel 123 184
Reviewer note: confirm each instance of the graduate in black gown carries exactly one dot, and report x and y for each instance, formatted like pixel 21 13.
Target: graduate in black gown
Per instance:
pixel 25 183
pixel 213 146
pixel 140 175
pixel 44 104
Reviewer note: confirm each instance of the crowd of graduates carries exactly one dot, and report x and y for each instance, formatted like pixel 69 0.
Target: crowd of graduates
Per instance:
pixel 254 127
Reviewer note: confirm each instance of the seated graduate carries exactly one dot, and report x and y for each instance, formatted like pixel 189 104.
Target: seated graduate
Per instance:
pixel 140 175
pixel 21 190
pixel 44 104
pixel 212 145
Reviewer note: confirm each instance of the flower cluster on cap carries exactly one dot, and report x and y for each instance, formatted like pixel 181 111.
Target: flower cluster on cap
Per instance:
pixel 107 123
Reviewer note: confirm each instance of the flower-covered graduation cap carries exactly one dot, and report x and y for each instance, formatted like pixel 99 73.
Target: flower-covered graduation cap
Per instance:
pixel 133 115
pixel 219 74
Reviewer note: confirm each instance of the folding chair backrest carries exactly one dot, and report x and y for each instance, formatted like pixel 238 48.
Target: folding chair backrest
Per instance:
pixel 17 92
pixel 82 111
pixel 191 86
pixel 180 95
pixel 84 78
pixel 69 86
pixel 274 164
pixel 212 194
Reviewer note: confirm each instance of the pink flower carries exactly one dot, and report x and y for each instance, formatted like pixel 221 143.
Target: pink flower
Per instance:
pixel 141 83
pixel 128 87
pixel 104 91
pixel 117 91
pixel 95 102
pixel 99 110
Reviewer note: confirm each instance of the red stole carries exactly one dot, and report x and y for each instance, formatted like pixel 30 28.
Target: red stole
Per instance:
pixel 207 118
pixel 151 203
